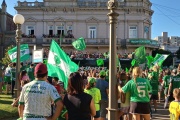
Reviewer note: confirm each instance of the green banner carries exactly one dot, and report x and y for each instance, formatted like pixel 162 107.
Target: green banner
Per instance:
pixel 143 42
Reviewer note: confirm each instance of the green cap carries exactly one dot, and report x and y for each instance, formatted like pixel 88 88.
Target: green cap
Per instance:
pixel 102 73
pixel 91 80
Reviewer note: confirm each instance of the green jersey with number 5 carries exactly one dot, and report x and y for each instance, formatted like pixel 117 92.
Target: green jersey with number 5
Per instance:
pixel 139 91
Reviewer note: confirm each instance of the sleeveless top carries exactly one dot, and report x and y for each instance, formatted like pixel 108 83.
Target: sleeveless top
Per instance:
pixel 78 106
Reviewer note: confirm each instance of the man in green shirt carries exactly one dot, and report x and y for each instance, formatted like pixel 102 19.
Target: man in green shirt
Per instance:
pixel 30 72
pixel 174 83
pixel 13 78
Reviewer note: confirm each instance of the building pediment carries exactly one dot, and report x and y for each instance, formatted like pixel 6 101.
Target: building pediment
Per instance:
pixel 92 20
pixel 31 19
pixel 59 19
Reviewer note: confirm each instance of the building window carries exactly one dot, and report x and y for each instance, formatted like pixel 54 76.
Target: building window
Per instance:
pixel 146 32
pixel 60 30
pixel 69 29
pixel 30 30
pixel 133 32
pixel 51 30
pixel 92 32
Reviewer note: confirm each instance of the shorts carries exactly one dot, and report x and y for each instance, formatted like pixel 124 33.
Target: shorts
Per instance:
pixel 166 91
pixel 7 79
pixel 1 79
pixel 103 110
pixel 171 98
pixel 139 108
pixel 97 114
pixel 125 110
pixel 154 97
pixel 33 117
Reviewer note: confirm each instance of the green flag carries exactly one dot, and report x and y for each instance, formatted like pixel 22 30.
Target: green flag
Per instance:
pixel 100 62
pixel 127 70
pixel 133 62
pixel 140 55
pixel 79 44
pixel 59 64
pixel 45 61
pixel 159 59
pixel 24 53
pixel 149 60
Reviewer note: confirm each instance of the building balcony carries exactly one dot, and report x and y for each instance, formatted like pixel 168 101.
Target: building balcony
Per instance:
pixel 28 41
pixel 88 41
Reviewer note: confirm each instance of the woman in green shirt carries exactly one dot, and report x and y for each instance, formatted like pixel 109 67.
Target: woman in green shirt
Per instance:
pixel 139 95
pixel 95 93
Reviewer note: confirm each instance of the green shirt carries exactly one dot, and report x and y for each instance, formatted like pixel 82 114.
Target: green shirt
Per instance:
pixel 175 82
pixel 13 74
pixel 30 72
pixel 154 83
pixel 138 93
pixel 96 95
pixel 166 80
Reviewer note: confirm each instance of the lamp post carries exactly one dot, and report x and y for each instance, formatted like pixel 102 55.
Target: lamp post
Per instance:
pixel 112 109
pixel 18 20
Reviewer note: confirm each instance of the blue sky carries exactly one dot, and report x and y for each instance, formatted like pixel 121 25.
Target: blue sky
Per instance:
pixel 166 17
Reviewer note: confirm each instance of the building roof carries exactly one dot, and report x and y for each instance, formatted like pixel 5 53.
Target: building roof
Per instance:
pixel 4 3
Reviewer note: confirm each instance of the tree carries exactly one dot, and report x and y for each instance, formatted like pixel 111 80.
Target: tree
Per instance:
pixel 6 59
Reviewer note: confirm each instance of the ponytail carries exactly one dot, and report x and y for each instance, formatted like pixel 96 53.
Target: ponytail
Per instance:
pixel 136 73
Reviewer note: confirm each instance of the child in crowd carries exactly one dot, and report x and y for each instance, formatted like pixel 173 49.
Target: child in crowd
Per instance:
pixel 95 93
pixel 15 101
pixel 174 107
pixel 24 78
pixel 56 85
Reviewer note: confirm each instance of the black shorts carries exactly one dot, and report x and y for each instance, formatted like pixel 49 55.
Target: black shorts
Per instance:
pixel 97 114
pixel 154 97
pixel 171 98
pixel 139 108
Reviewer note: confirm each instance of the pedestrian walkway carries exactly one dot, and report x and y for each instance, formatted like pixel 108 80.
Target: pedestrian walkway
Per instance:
pixel 161 114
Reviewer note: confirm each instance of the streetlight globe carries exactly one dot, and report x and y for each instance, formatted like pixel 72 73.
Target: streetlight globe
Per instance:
pixel 18 19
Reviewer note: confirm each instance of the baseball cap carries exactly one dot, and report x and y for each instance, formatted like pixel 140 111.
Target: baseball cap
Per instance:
pixel 102 73
pixel 40 69
pixel 91 80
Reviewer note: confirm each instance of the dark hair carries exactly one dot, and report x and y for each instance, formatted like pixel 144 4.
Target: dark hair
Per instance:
pixel 22 63
pixel 40 75
pixel 56 78
pixel 167 72
pixel 22 74
pixel 75 83
pixel 14 64
pixel 122 76
pixel 32 65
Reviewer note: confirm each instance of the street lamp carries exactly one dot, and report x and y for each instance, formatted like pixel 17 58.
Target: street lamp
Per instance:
pixel 112 109
pixel 18 20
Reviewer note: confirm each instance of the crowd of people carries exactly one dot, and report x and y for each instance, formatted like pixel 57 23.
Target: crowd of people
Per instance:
pixel 86 97
pixel 95 55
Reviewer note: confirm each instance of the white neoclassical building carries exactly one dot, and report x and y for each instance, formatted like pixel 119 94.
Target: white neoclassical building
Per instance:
pixel 72 19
